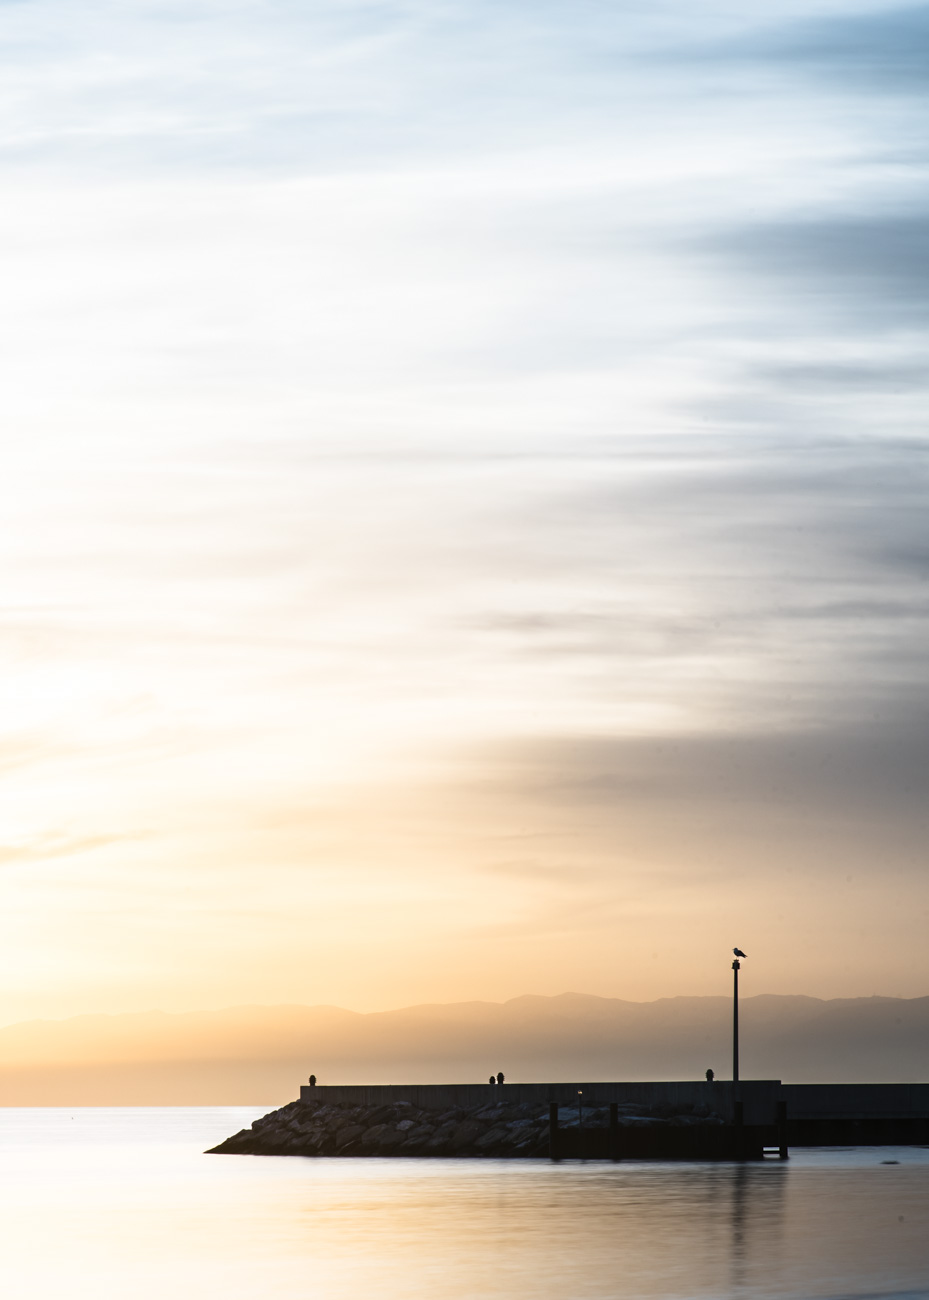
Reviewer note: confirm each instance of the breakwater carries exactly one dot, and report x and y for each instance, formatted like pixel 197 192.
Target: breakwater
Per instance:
pixel 561 1121
pixel 398 1129
pixel 673 1120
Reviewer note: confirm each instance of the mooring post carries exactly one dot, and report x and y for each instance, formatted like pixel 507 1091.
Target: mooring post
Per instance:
pixel 553 1152
pixel 782 1151
pixel 614 1131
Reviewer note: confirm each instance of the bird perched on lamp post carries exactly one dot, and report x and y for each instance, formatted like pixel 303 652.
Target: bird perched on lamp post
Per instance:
pixel 737 952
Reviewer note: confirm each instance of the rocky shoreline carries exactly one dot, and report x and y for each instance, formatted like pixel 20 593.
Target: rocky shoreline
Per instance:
pixel 493 1130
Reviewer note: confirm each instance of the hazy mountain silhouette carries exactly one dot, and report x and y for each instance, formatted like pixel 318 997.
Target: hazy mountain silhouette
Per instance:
pixel 258 1055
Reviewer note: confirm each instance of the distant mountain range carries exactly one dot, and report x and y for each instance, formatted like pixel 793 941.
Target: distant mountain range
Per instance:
pixel 260 1055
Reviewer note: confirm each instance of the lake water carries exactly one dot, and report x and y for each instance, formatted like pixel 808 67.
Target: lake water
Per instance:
pixel 121 1203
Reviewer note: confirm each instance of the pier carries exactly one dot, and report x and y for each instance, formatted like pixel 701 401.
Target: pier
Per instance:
pixel 753 1119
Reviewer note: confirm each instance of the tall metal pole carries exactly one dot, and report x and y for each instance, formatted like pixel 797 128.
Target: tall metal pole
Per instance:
pixel 735 1020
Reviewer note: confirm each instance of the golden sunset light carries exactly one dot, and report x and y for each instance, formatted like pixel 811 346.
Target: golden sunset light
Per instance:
pixel 462 538
pixel 463 650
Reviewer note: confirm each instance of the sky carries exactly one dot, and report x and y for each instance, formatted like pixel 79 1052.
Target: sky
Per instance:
pixel 464 484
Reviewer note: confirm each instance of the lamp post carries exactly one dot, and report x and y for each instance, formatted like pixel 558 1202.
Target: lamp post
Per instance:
pixel 736 967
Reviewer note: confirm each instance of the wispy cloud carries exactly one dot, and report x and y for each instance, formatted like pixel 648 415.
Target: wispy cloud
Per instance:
pixel 439 428
pixel 57 846
pixel 881 49
pixel 870 270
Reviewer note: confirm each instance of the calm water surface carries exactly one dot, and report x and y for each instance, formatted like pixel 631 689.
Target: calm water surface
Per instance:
pixel 121 1203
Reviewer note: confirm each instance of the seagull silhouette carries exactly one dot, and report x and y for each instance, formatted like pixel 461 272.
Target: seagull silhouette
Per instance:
pixel 738 952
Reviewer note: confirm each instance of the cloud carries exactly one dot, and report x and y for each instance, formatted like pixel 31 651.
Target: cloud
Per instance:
pixel 58 845
pixel 285 86
pixel 867 768
pixel 885 49
pixel 864 376
pixel 394 382
pixel 333 88
pixel 843 264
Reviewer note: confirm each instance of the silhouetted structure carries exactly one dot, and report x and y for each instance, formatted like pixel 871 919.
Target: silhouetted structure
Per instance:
pixel 500 1077
pixel 736 967
pixel 312 1080
pixel 493 1081
pixel 710 1076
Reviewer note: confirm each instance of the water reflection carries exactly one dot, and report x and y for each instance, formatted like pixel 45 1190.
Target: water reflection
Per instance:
pixel 110 1204
pixel 756 1200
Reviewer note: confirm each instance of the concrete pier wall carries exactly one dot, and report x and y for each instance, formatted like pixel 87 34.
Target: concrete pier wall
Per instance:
pixel 805 1102
pixel 809 1101
pixel 759 1096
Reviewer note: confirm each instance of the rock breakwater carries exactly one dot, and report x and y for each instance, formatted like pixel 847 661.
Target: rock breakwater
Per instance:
pixel 493 1130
